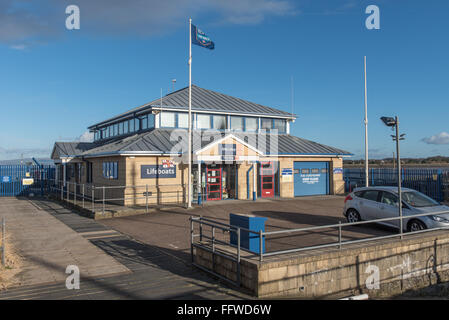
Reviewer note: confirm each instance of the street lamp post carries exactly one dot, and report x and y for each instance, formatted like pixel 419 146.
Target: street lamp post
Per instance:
pixel 394 124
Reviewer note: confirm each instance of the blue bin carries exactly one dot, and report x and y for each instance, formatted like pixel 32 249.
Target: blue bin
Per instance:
pixel 248 240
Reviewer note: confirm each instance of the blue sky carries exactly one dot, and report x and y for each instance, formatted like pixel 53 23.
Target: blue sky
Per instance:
pixel 54 83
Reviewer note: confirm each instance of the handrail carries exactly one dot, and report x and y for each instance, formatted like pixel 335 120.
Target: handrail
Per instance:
pixel 216 224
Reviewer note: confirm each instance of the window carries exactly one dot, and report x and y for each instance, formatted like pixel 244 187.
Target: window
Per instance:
pixel 131 125
pixel 219 122
pixel 136 124
pixel 237 123
pixel 251 124
pixel 126 127
pixel 203 121
pixel 266 124
pixel 183 120
pixel 418 200
pixel 315 171
pixel 120 128
pixel 144 122
pixel 115 129
pixel 168 119
pixel 305 171
pixel 280 125
pixel 110 170
pixel 151 121
pixel 359 194
pixel 390 199
pixel 97 135
pixel 111 133
pixel 370 195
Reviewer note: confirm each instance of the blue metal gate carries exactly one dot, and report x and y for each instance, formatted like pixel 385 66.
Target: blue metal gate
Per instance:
pixel 12 178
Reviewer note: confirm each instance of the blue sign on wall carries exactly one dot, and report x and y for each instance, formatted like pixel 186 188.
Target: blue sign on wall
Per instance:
pixel 338 170
pixel 157 171
pixel 287 172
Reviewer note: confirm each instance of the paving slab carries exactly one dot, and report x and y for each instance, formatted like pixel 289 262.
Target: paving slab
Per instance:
pixel 47 246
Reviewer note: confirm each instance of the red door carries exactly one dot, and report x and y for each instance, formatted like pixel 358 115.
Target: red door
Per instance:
pixel 267 179
pixel 213 183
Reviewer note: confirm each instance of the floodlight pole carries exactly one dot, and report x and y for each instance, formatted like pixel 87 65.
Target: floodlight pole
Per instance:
pixel 399 172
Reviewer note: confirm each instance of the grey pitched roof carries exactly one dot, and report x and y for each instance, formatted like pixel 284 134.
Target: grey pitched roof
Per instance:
pixel 64 149
pixel 205 100
pixel 170 141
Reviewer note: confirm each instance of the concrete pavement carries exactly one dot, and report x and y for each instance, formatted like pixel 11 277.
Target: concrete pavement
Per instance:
pixel 155 272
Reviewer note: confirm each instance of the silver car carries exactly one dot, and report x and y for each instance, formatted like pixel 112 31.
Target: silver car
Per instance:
pixel 370 203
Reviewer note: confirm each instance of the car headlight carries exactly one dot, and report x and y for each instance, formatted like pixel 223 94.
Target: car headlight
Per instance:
pixel 439 219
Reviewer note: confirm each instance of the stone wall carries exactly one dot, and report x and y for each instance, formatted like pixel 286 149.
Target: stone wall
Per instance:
pixel 384 268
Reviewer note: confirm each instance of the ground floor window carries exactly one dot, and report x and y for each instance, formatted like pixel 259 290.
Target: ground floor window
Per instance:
pixel 110 170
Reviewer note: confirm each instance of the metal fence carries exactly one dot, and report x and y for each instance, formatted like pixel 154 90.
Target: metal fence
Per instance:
pixel 115 198
pixel 432 182
pixel 203 235
pixel 12 179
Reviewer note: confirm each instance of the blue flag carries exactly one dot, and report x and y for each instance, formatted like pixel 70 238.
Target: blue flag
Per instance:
pixel 201 39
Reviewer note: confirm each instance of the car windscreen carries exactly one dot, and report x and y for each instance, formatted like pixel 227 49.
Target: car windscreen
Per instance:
pixel 418 200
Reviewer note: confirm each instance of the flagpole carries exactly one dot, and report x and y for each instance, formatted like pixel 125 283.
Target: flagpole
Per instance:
pixel 189 201
pixel 366 131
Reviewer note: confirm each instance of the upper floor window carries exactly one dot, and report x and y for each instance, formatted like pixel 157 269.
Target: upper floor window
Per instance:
pixel 219 122
pixel 266 124
pixel 183 120
pixel 144 122
pixel 280 125
pixel 251 124
pixel 237 123
pixel 203 121
pixel 168 119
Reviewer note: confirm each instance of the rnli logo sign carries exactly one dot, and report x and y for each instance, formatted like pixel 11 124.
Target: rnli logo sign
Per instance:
pixel 166 170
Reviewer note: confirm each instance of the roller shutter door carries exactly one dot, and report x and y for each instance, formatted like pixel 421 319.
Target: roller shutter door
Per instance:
pixel 311 178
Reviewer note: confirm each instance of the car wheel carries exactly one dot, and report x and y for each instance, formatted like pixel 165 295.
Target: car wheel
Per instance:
pixel 353 216
pixel 416 225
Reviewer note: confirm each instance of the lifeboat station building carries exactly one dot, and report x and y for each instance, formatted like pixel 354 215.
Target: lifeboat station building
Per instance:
pixel 240 150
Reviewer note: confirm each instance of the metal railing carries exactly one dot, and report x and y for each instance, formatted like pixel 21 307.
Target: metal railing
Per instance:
pixel 103 198
pixel 263 235
pixel 214 240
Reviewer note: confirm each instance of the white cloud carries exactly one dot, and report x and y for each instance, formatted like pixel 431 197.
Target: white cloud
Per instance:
pixel 19 46
pixel 86 137
pixel 25 23
pixel 440 138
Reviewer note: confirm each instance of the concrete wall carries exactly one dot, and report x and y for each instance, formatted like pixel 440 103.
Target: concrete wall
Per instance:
pixel 403 265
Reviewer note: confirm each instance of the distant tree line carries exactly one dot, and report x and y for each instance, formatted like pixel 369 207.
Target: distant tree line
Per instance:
pixel 434 161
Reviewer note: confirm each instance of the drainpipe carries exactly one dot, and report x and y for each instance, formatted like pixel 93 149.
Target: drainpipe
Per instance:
pixel 253 167
pixel 255 182
pixel 199 183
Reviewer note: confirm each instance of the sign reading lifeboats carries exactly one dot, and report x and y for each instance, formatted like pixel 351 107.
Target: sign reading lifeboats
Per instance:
pixel 166 170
